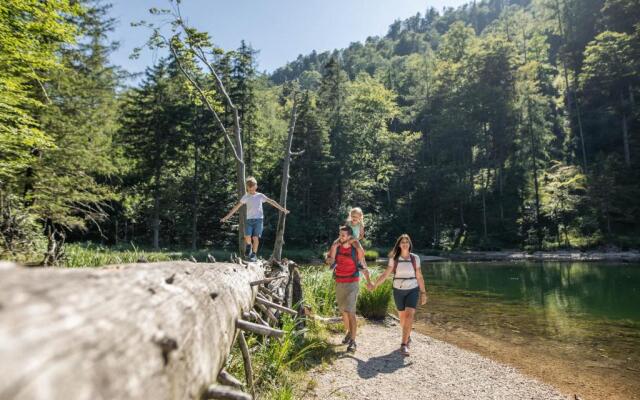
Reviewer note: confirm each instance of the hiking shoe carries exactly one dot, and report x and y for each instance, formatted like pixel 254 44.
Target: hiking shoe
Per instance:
pixel 347 339
pixel 404 350
pixel 352 346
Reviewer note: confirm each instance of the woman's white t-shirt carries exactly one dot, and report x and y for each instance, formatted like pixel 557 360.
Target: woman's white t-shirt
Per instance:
pixel 406 272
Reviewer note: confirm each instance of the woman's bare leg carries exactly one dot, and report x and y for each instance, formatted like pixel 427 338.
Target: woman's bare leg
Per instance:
pixel 402 316
pixel 407 324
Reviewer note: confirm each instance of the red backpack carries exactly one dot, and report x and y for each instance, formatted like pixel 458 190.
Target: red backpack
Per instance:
pixel 354 256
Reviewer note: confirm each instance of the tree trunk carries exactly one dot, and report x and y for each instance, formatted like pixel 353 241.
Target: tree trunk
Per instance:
pixel 625 134
pixel 155 331
pixel 284 187
pixel 484 214
pixel 240 181
pixel 536 186
pixel 196 203
pixel 156 222
pixel 500 191
pixel 569 92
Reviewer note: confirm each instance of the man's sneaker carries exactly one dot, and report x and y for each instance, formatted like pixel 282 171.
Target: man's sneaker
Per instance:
pixel 404 350
pixel 347 338
pixel 352 346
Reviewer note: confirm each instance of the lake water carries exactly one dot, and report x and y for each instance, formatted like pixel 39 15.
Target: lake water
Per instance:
pixel 585 315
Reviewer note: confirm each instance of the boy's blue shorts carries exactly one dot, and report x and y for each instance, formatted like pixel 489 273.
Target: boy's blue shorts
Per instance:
pixel 253 227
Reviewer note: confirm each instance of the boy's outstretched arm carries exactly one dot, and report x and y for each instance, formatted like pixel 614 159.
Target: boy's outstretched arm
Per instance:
pixel 276 205
pixel 233 211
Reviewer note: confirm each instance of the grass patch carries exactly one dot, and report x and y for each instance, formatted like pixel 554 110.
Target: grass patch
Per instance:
pixel 279 365
pixel 319 290
pixel 93 255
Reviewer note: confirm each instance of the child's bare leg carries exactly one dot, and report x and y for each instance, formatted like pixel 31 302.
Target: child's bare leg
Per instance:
pixel 247 239
pixel 256 243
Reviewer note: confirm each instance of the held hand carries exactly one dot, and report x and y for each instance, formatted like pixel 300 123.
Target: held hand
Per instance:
pixel 423 298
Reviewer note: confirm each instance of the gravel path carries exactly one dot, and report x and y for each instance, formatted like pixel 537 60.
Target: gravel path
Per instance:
pixel 435 370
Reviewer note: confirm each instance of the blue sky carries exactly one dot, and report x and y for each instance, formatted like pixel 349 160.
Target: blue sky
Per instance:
pixel 279 29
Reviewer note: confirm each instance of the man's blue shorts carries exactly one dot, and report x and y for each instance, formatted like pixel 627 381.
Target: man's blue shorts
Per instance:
pixel 254 227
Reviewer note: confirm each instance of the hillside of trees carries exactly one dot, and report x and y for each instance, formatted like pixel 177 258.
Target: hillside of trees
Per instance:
pixel 500 124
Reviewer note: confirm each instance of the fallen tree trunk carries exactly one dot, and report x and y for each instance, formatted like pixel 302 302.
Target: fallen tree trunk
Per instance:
pixel 137 331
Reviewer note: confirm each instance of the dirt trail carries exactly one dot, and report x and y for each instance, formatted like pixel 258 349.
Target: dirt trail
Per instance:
pixel 435 370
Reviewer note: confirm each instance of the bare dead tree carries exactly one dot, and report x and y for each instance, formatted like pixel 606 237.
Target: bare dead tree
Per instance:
pixel 284 187
pixel 190 49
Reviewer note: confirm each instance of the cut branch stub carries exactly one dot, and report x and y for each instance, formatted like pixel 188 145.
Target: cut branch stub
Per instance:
pixel 276 306
pixel 246 358
pixel 227 379
pixel 225 393
pixel 267 312
pixel 267 280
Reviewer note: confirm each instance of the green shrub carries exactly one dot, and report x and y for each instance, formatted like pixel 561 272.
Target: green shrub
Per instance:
pixel 371 255
pixel 375 304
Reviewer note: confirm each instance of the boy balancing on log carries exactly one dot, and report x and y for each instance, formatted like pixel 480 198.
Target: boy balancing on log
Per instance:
pixel 253 228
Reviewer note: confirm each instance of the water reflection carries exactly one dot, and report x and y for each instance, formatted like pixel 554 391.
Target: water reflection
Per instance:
pixel 569 289
pixel 586 311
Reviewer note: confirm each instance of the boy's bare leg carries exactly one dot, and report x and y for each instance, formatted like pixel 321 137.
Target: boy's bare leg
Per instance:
pixel 247 242
pixel 256 244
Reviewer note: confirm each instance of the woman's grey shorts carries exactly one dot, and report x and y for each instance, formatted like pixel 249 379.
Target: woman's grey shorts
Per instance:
pixel 406 298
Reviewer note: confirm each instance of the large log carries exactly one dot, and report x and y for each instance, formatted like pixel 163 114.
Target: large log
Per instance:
pixel 138 331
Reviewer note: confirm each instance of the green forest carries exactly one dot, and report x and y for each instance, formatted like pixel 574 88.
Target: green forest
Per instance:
pixel 502 124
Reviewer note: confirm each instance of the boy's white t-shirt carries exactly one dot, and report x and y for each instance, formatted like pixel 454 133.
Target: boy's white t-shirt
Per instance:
pixel 405 270
pixel 254 205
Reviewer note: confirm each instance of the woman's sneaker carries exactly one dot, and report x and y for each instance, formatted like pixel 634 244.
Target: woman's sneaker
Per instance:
pixel 404 350
pixel 347 338
pixel 352 346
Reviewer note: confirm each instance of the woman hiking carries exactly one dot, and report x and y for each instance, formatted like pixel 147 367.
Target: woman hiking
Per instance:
pixel 408 285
